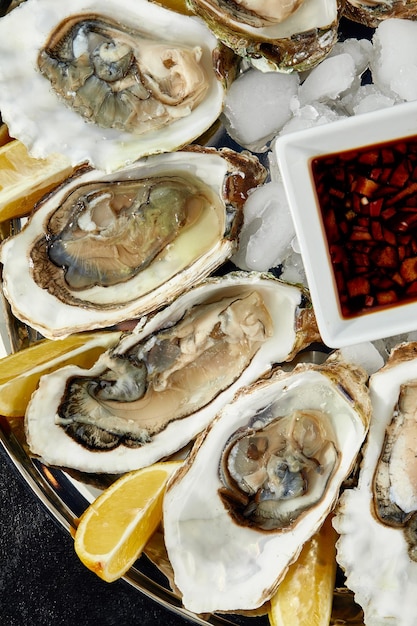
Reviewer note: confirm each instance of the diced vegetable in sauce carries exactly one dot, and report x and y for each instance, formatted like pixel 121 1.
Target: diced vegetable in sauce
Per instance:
pixel 368 203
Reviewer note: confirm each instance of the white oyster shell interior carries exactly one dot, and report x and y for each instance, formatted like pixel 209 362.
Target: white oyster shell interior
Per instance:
pixel 374 555
pixel 25 31
pixel 210 324
pixel 220 564
pixel 98 240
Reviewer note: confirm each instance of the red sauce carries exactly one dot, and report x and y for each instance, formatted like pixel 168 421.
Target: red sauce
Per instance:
pixel 368 203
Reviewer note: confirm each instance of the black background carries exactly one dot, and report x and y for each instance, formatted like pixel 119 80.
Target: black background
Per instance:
pixel 42 582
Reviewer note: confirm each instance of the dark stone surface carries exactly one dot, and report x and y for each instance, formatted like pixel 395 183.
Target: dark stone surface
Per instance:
pixel 42 582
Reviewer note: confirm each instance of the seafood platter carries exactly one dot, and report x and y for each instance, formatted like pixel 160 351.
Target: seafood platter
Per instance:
pixel 213 354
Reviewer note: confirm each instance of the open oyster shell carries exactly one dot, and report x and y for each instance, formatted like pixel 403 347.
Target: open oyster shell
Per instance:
pixel 108 247
pixel 261 480
pixel 295 41
pixel 164 382
pixel 373 12
pixel 120 79
pixel 376 521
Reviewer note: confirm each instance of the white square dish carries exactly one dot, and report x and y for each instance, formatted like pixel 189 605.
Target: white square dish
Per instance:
pixel 295 153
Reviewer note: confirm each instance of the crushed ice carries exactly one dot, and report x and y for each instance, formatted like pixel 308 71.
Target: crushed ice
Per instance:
pixel 358 76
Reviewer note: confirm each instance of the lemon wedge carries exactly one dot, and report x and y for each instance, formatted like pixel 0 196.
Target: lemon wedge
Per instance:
pixel 305 596
pixel 114 529
pixel 24 179
pixel 20 372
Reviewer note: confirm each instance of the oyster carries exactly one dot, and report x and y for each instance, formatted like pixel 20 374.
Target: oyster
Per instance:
pixel 109 247
pixel 261 480
pixel 373 12
pixel 285 36
pixel 161 386
pixel 121 79
pixel 377 521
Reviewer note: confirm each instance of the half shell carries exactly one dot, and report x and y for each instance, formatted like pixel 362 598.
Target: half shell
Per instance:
pixel 373 12
pixel 161 386
pixel 260 481
pixel 296 42
pixel 377 520
pixel 108 247
pixel 120 79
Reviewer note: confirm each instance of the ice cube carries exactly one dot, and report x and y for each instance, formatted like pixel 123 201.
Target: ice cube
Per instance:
pixel 394 59
pixel 311 115
pixel 258 105
pixel 328 80
pixel 293 270
pixel 267 230
pixel 359 49
pixel 405 82
pixel 365 355
pixel 367 98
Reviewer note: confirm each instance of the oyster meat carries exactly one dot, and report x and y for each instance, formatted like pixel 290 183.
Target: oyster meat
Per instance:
pixel 121 79
pixel 260 481
pixel 377 521
pixel 108 247
pixel 162 384
pixel 293 35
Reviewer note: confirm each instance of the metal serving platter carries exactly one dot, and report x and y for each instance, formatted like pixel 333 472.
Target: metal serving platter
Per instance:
pixel 65 496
